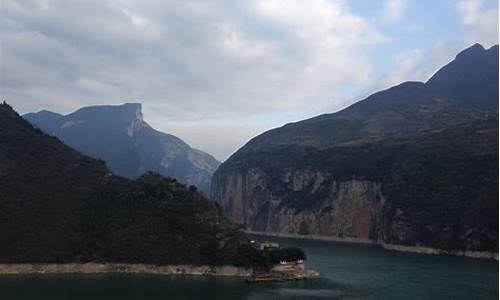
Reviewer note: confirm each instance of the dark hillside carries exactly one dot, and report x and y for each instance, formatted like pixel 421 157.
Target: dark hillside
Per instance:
pixel 57 205
pixel 413 165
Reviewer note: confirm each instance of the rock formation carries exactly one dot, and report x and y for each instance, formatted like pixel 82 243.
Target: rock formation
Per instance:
pixel 128 144
pixel 414 165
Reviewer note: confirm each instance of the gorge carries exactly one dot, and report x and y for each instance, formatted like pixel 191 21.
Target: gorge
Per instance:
pixel 413 167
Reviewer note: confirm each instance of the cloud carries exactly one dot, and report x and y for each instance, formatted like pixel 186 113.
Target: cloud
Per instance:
pixel 393 10
pixel 216 72
pixel 190 63
pixel 406 67
pixel 481 23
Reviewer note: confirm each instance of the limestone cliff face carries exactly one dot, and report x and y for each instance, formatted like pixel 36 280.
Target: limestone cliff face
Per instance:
pixel 351 208
pixel 415 165
pixel 437 190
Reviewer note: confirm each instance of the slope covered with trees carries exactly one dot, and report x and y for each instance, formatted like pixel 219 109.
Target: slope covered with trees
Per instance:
pixel 413 165
pixel 58 205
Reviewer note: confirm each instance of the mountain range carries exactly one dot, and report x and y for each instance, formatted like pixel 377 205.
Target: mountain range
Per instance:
pixel 414 165
pixel 60 206
pixel 119 135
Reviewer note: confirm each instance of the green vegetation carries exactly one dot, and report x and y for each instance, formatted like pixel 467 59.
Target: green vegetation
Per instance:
pixel 265 259
pixel 57 205
pixel 432 148
pixel 444 184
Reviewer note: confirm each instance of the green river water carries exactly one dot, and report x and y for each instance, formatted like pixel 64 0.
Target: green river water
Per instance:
pixel 347 272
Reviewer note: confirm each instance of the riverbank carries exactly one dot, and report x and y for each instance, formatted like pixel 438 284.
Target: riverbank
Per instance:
pixel 347 271
pixel 100 268
pixel 434 251
pixel 314 237
pixel 392 247
pixel 279 276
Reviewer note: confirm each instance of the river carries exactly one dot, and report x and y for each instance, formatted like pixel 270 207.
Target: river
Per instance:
pixel 347 272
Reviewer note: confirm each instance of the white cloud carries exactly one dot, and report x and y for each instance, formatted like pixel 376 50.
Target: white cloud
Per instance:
pixel 481 24
pixel 239 47
pixel 406 67
pixel 469 10
pixel 189 62
pixel 137 20
pixel 393 11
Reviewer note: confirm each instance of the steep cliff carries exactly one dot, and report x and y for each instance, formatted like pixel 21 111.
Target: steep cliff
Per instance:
pixel 128 144
pixel 414 165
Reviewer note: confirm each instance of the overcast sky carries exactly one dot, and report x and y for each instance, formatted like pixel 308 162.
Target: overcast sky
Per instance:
pixel 217 73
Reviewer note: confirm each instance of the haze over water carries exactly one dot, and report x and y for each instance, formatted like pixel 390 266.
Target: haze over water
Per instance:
pixel 347 272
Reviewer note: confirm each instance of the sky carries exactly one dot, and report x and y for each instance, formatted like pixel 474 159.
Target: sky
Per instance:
pixel 217 73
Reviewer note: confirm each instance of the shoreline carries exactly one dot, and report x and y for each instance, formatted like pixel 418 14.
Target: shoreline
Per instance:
pixel 390 247
pixel 123 268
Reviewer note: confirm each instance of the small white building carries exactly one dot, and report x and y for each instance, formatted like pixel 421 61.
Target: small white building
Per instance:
pixel 293 265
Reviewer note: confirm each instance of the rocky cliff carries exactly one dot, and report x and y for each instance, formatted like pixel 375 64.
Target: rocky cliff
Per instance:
pixel 414 165
pixel 350 208
pixel 128 144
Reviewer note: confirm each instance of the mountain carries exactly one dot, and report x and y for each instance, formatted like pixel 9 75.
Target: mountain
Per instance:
pixel 414 165
pixel 120 136
pixel 58 205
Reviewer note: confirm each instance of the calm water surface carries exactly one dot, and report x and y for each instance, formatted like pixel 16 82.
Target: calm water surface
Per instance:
pixel 347 272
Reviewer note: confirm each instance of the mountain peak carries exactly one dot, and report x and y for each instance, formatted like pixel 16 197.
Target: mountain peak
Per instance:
pixel 136 107
pixel 48 114
pixel 119 135
pixel 127 112
pixel 471 78
pixel 128 106
pixel 475 49
pixel 494 47
pixel 493 50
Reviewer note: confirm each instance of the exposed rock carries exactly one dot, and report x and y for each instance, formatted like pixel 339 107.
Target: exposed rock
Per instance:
pixel 415 165
pixel 128 144
pixel 102 268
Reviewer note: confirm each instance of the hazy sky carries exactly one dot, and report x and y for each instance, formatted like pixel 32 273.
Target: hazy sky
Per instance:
pixel 217 73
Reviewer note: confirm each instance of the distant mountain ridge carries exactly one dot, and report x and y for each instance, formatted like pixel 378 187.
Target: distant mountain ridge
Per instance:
pixel 408 107
pixel 414 165
pixel 60 206
pixel 119 135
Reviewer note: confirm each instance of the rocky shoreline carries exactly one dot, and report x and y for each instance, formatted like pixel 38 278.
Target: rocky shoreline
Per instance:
pixel 434 251
pixel 314 237
pixel 101 268
pixel 401 248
